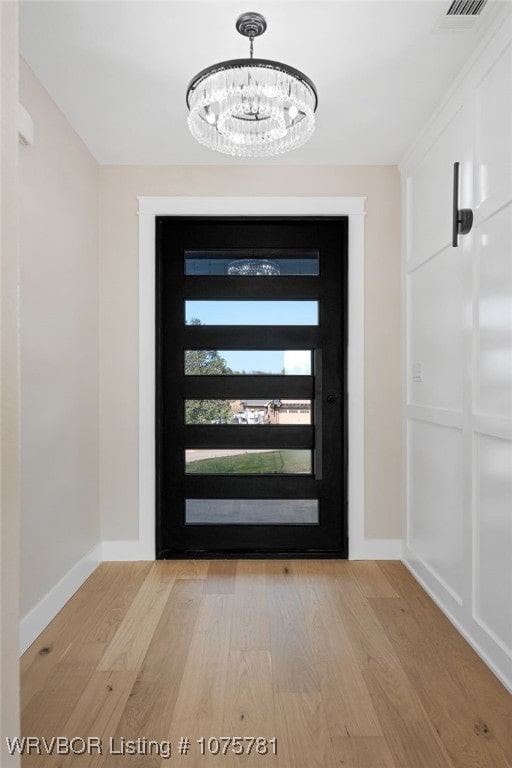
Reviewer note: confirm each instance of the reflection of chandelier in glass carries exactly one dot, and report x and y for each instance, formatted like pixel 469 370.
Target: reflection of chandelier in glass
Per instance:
pixel 251 107
pixel 253 267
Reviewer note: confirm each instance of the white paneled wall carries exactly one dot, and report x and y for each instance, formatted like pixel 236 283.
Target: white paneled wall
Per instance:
pixel 436 476
pixel 493 538
pixel 458 355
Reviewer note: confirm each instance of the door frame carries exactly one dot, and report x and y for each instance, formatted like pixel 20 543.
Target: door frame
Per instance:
pixel 323 439
pixel 149 209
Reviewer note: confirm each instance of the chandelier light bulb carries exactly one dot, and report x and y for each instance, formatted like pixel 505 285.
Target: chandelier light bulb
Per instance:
pixel 251 107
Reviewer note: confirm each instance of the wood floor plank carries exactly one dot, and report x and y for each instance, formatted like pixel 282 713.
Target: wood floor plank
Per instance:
pixel 249 702
pixel 189 569
pixel 101 703
pixel 304 740
pixel 131 641
pixel 101 624
pixel 249 695
pixel 150 707
pixel 347 703
pixel 412 739
pixel 321 612
pixel 487 697
pixel 364 631
pixel 362 752
pixel 110 589
pixel 479 684
pixel 371 580
pixel 454 717
pixel 199 708
pixel 401 579
pixel 250 626
pixel 98 712
pixel 47 712
pixel 220 579
pixel 293 667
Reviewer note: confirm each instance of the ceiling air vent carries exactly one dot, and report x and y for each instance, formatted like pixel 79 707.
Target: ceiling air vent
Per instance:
pixel 462 14
pixel 465 7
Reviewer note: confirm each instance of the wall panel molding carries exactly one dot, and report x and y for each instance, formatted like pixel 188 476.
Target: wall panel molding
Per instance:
pixel 411 556
pixel 493 426
pixel 415 263
pixel 443 417
pixel 457 360
pixel 489 209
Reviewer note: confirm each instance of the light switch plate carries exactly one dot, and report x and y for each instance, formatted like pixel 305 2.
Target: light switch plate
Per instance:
pixel 417 372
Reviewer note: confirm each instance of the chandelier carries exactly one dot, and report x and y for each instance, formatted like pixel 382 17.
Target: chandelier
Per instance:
pixel 253 268
pixel 251 107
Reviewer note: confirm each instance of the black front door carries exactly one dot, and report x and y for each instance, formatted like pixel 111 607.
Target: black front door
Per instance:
pixel 251 431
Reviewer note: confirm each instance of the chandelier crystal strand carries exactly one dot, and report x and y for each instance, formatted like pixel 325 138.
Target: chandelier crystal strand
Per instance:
pixel 253 267
pixel 252 117
pixel 251 107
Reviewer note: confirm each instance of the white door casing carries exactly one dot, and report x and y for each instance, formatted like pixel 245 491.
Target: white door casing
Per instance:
pixel 353 207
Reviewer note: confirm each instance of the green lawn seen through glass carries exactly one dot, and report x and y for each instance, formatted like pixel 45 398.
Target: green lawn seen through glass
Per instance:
pixel 286 462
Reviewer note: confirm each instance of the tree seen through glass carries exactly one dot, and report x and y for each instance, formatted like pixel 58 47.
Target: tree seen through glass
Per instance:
pixel 200 362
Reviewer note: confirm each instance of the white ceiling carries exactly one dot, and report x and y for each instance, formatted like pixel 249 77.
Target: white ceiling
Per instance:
pixel 119 70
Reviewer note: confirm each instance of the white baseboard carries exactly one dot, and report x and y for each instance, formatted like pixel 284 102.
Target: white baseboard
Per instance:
pixel 41 614
pixel 376 549
pixel 369 549
pixel 121 550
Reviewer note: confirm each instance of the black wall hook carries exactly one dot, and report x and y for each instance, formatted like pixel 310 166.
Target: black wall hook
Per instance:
pixel 462 217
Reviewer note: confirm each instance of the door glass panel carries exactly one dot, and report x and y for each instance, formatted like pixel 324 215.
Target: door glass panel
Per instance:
pixel 239 461
pixel 232 312
pixel 251 362
pixel 251 511
pixel 252 262
pixel 263 412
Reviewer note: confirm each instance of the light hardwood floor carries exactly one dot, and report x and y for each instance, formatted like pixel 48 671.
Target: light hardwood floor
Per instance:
pixel 345 663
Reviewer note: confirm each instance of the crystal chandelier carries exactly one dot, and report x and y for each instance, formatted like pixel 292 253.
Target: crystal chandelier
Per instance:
pixel 253 267
pixel 251 107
